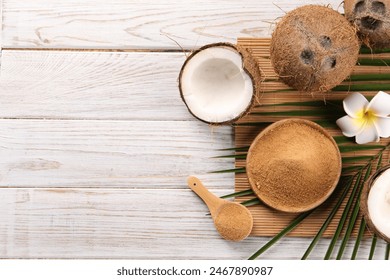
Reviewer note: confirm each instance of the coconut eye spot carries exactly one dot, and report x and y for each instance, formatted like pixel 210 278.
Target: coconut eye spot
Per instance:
pixel 371 23
pixel 359 7
pixel 307 57
pixel 329 63
pixel 333 62
pixel 379 7
pixel 325 42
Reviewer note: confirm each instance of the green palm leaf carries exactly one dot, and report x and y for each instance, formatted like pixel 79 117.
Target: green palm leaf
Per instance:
pixel 373 246
pixel 373 62
pixel 325 225
pixel 358 238
pixel 281 234
pixel 354 215
pixel 362 87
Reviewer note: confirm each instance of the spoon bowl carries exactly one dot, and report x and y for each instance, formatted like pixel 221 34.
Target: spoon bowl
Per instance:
pixel 232 220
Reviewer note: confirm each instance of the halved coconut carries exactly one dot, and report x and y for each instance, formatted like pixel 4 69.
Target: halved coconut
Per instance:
pixel 375 203
pixel 219 83
pixel 314 48
pixel 372 20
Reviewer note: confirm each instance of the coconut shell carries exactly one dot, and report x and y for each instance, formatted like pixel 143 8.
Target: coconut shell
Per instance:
pixel 314 48
pixel 364 204
pixel 372 18
pixel 249 65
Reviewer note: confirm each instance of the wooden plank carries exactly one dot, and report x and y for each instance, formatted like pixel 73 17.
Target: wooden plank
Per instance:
pixel 1 29
pixel 128 154
pixel 132 24
pixel 134 224
pixel 91 85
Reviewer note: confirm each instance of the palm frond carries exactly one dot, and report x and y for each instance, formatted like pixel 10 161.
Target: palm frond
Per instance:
pixel 342 139
pixel 373 62
pixel 346 187
pixel 355 148
pixel 362 87
pixel 373 246
pixel 343 218
pixel 251 202
pixel 236 156
pixel 356 158
pixel 359 237
pixel 238 194
pixel 352 168
pixel 366 50
pixel 369 77
pixel 354 215
pixel 234 170
pixel 281 234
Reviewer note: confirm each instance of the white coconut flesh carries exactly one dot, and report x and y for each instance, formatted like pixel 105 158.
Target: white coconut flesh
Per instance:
pixel 215 86
pixel 379 203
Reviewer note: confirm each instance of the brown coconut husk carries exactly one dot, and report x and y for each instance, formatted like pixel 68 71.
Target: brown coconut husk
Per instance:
pixel 372 18
pixel 314 48
pixel 249 65
pixel 364 204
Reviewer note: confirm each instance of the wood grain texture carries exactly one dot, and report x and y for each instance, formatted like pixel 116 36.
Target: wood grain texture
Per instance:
pixel 128 154
pixel 134 224
pixel 91 85
pixel 134 24
pixel 95 146
pixel 1 29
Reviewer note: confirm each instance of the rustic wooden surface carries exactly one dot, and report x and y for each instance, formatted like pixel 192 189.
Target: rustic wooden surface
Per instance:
pixel 95 144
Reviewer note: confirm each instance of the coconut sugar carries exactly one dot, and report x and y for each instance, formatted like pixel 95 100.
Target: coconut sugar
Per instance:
pixel 233 222
pixel 294 166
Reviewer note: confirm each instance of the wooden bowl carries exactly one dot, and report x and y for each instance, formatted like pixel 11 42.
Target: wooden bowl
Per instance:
pixel 364 203
pixel 293 165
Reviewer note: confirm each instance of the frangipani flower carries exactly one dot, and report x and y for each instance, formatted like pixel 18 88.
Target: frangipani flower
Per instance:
pixel 368 121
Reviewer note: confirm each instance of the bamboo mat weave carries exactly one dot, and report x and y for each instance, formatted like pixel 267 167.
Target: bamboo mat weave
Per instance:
pixel 268 222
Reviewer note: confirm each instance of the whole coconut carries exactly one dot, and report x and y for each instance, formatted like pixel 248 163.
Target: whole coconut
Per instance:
pixel 372 19
pixel 314 48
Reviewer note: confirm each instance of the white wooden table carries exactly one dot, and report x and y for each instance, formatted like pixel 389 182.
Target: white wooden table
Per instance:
pixel 95 143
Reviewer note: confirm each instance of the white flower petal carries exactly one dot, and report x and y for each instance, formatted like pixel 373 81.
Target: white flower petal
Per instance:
pixel 350 126
pixel 380 104
pixel 383 126
pixel 367 135
pixel 355 104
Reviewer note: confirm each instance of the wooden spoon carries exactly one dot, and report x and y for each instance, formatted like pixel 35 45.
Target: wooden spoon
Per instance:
pixel 232 220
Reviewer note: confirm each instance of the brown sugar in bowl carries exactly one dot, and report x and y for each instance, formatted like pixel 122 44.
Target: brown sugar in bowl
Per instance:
pixel 293 165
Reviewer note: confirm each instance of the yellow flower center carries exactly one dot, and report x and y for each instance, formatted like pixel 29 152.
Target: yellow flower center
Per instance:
pixel 366 117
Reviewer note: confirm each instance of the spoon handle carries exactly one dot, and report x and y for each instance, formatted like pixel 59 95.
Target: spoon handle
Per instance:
pixel 212 201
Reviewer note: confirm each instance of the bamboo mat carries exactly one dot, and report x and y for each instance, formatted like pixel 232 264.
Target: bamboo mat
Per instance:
pixel 268 222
